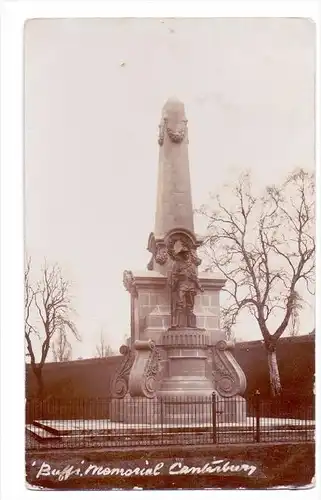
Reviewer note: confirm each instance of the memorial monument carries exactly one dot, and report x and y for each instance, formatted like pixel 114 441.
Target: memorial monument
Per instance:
pixel 177 350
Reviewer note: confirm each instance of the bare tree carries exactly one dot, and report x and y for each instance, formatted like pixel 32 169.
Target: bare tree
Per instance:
pixel 61 347
pixel 103 350
pixel 265 248
pixel 29 298
pixel 47 311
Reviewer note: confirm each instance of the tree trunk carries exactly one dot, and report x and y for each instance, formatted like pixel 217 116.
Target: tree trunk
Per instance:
pixel 38 375
pixel 275 382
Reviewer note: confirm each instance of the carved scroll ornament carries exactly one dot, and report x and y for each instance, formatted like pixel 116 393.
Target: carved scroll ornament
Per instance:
pixel 228 376
pixel 119 386
pixel 143 376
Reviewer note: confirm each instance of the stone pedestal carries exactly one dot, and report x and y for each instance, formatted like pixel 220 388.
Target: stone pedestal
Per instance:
pixel 135 410
pixel 177 411
pixel 177 387
pixel 185 370
pixel 185 390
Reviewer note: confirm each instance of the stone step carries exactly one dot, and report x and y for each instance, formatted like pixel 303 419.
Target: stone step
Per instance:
pixel 50 428
pixel 40 433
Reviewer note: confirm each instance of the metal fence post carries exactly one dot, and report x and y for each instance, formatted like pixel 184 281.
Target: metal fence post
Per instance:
pixel 306 418
pixel 161 419
pixel 214 434
pixel 257 407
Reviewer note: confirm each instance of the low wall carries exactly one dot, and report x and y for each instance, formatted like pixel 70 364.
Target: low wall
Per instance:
pixel 296 361
pixel 86 378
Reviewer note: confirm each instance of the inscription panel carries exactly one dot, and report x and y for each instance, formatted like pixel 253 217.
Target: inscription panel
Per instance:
pixel 185 367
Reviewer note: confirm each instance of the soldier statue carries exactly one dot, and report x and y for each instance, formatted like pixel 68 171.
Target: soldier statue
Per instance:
pixel 184 285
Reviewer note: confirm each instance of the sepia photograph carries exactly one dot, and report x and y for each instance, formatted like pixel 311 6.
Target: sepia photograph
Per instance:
pixel 170 247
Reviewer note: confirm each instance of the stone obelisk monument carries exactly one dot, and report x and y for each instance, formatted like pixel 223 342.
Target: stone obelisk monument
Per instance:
pixel 177 351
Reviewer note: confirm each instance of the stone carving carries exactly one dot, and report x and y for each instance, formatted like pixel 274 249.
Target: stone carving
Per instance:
pixel 161 132
pixel 129 282
pixel 184 281
pixel 119 386
pixel 229 379
pixel 152 366
pixel 183 338
pixel 176 134
pixel 158 251
pixel 161 255
pixel 143 376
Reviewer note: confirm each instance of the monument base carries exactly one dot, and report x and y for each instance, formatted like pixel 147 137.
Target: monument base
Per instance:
pixel 182 411
pixel 187 411
pixel 137 410
pixel 198 410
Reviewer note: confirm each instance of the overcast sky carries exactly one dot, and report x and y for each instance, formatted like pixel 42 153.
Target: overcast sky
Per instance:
pixel 94 93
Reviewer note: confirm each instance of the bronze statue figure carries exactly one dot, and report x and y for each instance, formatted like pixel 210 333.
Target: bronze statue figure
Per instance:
pixel 184 285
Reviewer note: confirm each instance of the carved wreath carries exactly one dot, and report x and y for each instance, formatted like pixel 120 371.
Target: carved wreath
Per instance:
pixel 176 135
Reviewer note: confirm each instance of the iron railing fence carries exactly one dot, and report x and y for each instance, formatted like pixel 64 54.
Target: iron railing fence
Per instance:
pixel 103 422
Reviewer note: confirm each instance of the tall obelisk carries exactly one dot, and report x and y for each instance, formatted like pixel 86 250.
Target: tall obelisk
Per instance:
pixel 174 199
pixel 174 207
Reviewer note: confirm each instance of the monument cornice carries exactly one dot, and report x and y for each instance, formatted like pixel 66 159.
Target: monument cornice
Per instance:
pixel 146 279
pixel 211 281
